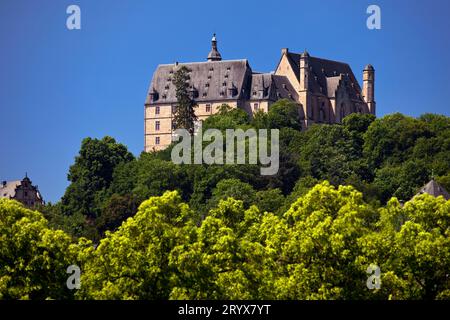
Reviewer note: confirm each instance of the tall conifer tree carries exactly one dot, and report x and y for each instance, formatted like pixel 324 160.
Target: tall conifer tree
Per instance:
pixel 184 115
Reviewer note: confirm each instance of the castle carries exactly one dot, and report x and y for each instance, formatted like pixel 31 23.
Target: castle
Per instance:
pixel 23 191
pixel 326 91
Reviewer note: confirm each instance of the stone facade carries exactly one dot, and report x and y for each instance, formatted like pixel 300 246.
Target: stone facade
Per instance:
pixel 326 91
pixel 22 191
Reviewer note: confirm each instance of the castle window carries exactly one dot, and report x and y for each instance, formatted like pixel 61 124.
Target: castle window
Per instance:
pixel 222 93
pixel 204 94
pixel 322 113
pixel 208 108
pixel 26 194
pixel 226 76
pixel 256 106
pixel 209 77
pixel 254 93
pixel 166 87
pixel 164 96
pixel 207 85
pixel 157 125
pixel 211 69
pixel 224 84
pixel 157 110
pixel 157 140
pixel 228 68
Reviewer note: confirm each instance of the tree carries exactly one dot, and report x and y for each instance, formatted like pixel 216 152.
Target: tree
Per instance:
pixel 92 174
pixel 184 116
pixel 270 200
pixel 321 255
pixel 227 118
pixel 392 138
pixel 412 248
pixel 232 188
pixel 284 114
pixel 33 257
pixel 133 262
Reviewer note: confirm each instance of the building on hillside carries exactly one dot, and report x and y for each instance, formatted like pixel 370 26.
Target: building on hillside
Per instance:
pixel 435 189
pixel 326 91
pixel 22 191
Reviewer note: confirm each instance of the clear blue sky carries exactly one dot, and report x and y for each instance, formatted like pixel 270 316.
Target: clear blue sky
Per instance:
pixel 59 86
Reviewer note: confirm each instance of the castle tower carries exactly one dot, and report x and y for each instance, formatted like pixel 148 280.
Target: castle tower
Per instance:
pixel 304 87
pixel 368 91
pixel 214 54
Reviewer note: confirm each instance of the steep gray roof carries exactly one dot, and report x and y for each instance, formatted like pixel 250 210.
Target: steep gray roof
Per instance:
pixel 8 189
pixel 323 75
pixel 435 189
pixel 211 80
pixel 271 87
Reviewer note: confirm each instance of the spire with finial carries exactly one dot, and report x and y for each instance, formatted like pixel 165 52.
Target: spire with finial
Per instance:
pixel 214 54
pixel 305 54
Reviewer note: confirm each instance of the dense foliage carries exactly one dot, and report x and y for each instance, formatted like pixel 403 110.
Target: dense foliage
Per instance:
pixel 319 248
pixel 163 230
pixel 391 156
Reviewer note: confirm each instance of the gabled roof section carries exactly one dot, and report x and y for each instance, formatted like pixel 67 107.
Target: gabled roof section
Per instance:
pixel 272 87
pixel 325 75
pixel 435 189
pixel 212 80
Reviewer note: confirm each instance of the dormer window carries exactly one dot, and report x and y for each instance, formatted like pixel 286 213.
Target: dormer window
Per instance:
pixel 154 95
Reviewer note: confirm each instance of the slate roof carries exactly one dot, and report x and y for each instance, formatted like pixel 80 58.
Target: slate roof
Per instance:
pixel 435 189
pixel 326 74
pixel 8 188
pixel 212 80
pixel 272 87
